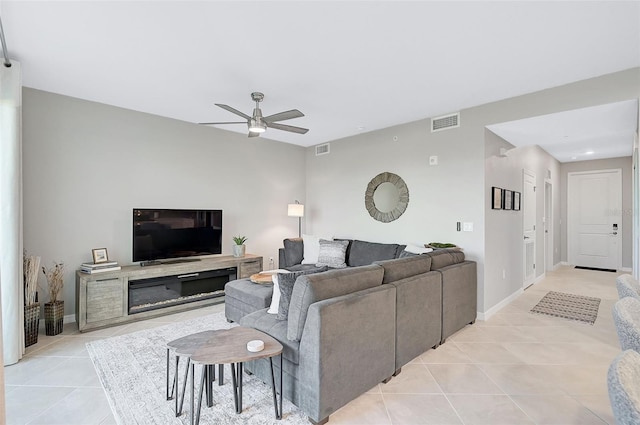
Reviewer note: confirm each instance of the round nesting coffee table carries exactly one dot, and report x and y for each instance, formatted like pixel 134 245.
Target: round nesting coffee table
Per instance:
pixel 230 346
pixel 184 347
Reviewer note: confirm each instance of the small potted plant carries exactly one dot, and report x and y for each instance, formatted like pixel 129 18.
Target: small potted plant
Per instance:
pixel 239 247
pixel 31 264
pixel 54 309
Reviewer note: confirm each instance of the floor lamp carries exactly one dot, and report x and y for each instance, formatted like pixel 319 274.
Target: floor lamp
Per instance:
pixel 297 210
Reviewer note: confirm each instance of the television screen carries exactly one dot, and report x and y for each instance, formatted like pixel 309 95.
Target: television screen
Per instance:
pixel 165 233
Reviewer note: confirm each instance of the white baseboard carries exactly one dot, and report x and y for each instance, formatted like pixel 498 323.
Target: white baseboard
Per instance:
pixel 626 269
pixel 70 318
pixel 502 304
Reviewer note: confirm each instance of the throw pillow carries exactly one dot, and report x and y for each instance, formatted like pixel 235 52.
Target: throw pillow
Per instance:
pixel 311 247
pixel 332 254
pixel 285 284
pixel 275 298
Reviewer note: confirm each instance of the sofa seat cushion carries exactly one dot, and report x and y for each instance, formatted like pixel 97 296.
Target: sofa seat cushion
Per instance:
pixel 301 267
pixel 402 268
pixel 250 293
pixel 445 257
pixel 363 253
pixel 267 323
pixel 321 286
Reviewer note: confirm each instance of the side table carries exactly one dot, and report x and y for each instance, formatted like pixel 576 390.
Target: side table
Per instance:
pixel 185 347
pixel 230 346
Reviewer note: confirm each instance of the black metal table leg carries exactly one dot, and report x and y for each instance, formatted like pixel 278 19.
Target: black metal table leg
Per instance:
pixel 234 383
pixel 220 374
pixel 175 384
pixel 240 367
pixel 193 389
pixel 210 377
pixel 203 378
pixel 273 389
pixel 184 387
pixel 168 375
pixel 280 417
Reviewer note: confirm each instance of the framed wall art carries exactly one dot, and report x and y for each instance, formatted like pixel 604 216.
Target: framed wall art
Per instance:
pixel 507 199
pixel 496 198
pixel 516 201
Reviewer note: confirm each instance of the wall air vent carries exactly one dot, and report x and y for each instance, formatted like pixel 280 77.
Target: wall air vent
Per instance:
pixel 445 122
pixel 322 149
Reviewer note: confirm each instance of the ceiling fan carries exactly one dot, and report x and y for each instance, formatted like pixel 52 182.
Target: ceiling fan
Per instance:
pixel 258 124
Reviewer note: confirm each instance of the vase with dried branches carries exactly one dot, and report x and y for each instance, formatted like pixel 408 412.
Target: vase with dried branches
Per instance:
pixel 31 265
pixel 54 309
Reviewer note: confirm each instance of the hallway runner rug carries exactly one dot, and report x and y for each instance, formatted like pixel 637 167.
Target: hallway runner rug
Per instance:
pixel 568 306
pixel 132 370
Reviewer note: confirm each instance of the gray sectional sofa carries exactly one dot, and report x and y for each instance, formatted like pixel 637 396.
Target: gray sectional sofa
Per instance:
pixel 349 329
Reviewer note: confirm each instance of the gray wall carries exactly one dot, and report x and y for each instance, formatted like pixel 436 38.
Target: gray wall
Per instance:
pixel 455 190
pixel 504 249
pixel 626 164
pixel 87 165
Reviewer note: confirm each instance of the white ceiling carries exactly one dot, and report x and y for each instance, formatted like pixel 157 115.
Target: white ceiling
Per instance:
pixel 350 66
pixel 604 131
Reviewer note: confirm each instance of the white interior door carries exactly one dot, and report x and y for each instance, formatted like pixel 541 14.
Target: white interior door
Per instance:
pixel 529 226
pixel 594 215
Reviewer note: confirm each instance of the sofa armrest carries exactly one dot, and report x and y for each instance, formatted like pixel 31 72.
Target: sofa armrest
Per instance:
pixel 459 296
pixel 346 348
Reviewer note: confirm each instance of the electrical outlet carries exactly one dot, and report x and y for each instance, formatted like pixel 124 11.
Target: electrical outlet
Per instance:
pixel 504 274
pixel 467 227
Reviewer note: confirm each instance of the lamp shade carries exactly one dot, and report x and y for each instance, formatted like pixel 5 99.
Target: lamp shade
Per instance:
pixel 295 210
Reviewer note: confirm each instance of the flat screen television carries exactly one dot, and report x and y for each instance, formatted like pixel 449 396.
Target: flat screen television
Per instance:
pixel 160 234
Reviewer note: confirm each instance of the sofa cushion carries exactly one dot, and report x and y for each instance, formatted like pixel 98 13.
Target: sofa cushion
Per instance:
pixel 321 286
pixel 312 248
pixel 268 324
pixel 364 253
pixel 402 268
pixel 332 254
pixel 286 281
pixel 445 257
pixel 293 251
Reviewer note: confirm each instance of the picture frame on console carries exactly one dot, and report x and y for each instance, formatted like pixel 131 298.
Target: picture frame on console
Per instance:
pixel 99 255
pixel 496 198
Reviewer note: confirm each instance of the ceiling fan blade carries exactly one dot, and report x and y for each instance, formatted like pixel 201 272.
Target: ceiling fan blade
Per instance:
pixel 233 111
pixel 233 122
pixel 254 134
pixel 287 115
pixel 285 127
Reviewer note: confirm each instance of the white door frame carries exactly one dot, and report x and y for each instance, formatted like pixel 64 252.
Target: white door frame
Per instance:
pixel 570 247
pixel 548 226
pixel 529 236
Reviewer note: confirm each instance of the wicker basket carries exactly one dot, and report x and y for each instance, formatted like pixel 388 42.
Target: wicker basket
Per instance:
pixel 53 317
pixel 31 323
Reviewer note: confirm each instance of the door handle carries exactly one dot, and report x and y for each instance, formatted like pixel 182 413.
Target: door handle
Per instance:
pixel 614 233
pixel 526 237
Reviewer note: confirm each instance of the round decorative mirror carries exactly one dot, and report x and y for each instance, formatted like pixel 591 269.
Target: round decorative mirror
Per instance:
pixel 386 197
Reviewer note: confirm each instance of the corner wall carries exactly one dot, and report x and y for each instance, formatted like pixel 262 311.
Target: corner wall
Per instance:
pixel 87 165
pixel 455 190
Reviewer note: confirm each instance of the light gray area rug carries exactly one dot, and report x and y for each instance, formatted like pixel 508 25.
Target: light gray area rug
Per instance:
pixel 132 369
pixel 569 306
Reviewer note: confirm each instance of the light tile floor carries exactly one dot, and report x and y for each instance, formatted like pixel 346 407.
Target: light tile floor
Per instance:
pixel 515 368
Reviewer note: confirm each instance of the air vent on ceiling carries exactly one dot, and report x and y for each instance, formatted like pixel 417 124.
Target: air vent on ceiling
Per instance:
pixel 322 149
pixel 445 122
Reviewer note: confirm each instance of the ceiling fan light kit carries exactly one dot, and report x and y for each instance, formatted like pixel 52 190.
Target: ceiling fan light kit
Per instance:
pixel 258 124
